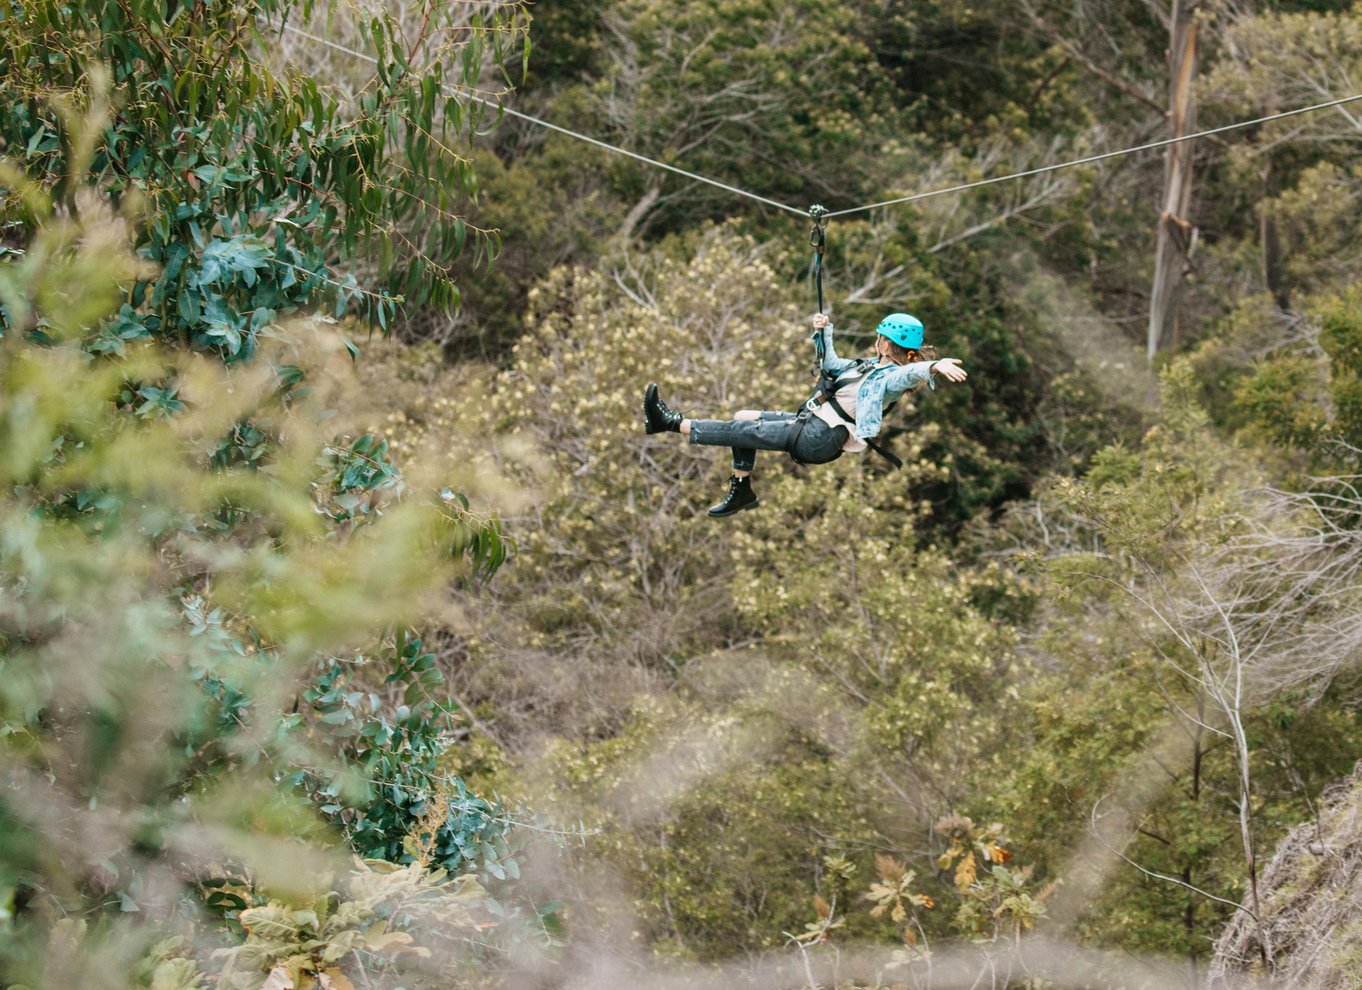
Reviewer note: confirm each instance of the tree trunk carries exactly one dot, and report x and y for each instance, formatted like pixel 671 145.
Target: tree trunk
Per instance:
pixel 639 211
pixel 1273 276
pixel 1176 234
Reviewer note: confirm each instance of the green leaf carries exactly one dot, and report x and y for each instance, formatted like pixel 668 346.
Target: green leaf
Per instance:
pixel 270 922
pixel 176 974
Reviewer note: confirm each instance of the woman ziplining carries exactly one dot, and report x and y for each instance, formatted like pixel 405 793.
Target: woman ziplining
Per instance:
pixel 842 416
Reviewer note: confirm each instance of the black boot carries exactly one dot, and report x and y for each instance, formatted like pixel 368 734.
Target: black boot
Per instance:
pixel 657 418
pixel 740 496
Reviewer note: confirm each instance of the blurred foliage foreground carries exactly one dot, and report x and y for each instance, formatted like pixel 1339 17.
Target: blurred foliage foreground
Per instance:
pixel 211 693
pixel 211 699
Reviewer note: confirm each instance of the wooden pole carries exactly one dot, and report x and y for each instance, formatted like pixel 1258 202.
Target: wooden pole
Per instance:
pixel 1176 233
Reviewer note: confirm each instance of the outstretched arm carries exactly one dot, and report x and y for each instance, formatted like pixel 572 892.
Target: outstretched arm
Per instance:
pixel 907 376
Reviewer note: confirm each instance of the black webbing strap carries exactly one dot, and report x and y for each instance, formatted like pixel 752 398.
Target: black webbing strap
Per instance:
pixel 801 421
pixel 888 455
pixel 816 214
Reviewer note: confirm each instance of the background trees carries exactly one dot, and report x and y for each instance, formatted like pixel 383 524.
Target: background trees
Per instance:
pixel 1049 303
pixel 1072 669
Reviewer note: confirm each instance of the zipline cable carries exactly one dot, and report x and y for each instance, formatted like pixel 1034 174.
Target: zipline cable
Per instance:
pixel 1098 158
pixel 563 130
pixel 962 187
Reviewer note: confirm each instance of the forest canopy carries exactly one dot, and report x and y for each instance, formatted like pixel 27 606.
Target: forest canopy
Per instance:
pixel 354 634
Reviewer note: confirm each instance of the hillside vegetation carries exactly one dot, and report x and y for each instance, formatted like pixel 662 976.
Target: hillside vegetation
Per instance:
pixel 353 633
pixel 1310 899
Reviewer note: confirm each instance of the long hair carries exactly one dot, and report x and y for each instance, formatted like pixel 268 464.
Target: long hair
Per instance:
pixel 908 355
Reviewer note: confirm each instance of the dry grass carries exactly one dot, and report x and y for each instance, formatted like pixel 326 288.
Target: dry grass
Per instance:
pixel 1312 905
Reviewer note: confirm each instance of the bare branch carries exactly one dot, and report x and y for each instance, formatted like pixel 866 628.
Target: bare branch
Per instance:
pixel 1095 832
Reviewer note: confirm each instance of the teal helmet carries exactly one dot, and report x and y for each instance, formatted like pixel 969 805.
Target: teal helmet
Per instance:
pixel 902 329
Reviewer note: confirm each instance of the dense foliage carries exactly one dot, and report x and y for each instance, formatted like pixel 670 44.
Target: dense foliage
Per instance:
pixel 1055 687
pixel 208 578
pixel 164 620
pixel 257 184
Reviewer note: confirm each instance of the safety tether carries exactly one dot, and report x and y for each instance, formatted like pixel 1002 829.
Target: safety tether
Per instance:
pixel 827 383
pixel 816 213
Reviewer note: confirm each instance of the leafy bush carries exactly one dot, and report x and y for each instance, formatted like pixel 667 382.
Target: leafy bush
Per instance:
pixel 166 597
pixel 259 185
pixel 395 759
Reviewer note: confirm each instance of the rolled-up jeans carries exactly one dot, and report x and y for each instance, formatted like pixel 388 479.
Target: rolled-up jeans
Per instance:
pixel 817 443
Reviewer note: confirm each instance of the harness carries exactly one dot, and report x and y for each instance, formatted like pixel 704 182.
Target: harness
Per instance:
pixel 826 392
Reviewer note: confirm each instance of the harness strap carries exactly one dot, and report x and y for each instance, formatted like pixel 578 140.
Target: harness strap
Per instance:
pixel 829 384
pixel 801 420
pixel 826 393
pixel 888 455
